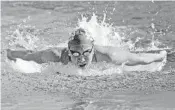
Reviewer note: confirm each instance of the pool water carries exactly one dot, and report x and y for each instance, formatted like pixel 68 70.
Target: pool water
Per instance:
pixel 138 25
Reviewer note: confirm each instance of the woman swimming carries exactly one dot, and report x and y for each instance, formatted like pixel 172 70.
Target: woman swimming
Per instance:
pixel 81 51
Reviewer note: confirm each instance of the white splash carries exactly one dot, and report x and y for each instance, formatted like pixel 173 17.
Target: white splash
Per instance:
pixel 106 34
pixel 103 33
pixel 23 37
pixel 25 66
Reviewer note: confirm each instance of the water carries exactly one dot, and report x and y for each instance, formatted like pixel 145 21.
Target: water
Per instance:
pixel 41 25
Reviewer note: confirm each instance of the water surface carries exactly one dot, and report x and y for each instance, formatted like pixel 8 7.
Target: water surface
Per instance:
pixel 52 23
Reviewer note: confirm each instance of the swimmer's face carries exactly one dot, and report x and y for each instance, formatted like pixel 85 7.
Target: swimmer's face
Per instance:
pixel 81 55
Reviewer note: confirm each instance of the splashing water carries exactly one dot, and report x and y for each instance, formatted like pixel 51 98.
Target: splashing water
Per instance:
pixel 26 66
pixel 106 34
pixel 23 37
pixel 103 33
pixel 26 37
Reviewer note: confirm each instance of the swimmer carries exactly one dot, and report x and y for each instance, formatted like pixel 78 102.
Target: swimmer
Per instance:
pixel 81 51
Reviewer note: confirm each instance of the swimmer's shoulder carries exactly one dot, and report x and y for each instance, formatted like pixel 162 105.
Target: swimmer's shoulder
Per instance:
pixel 110 49
pixel 104 53
pixel 65 59
pixel 100 57
pixel 61 53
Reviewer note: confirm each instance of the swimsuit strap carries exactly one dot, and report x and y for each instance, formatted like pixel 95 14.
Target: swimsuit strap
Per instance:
pixel 95 56
pixel 64 56
pixel 69 58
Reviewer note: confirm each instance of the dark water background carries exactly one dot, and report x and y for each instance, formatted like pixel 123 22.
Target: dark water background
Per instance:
pixel 53 22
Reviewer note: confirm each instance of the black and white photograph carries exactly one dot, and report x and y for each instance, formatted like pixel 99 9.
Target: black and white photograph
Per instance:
pixel 87 55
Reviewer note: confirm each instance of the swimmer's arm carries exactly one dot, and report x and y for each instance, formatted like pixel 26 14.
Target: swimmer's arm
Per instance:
pixel 43 56
pixel 13 54
pixel 120 56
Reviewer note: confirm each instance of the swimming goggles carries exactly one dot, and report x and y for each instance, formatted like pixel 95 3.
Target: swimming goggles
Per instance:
pixel 78 54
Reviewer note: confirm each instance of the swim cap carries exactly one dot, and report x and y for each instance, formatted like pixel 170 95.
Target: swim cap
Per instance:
pixel 79 37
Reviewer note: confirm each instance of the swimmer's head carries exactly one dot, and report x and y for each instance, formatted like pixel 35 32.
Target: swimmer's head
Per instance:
pixel 81 48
